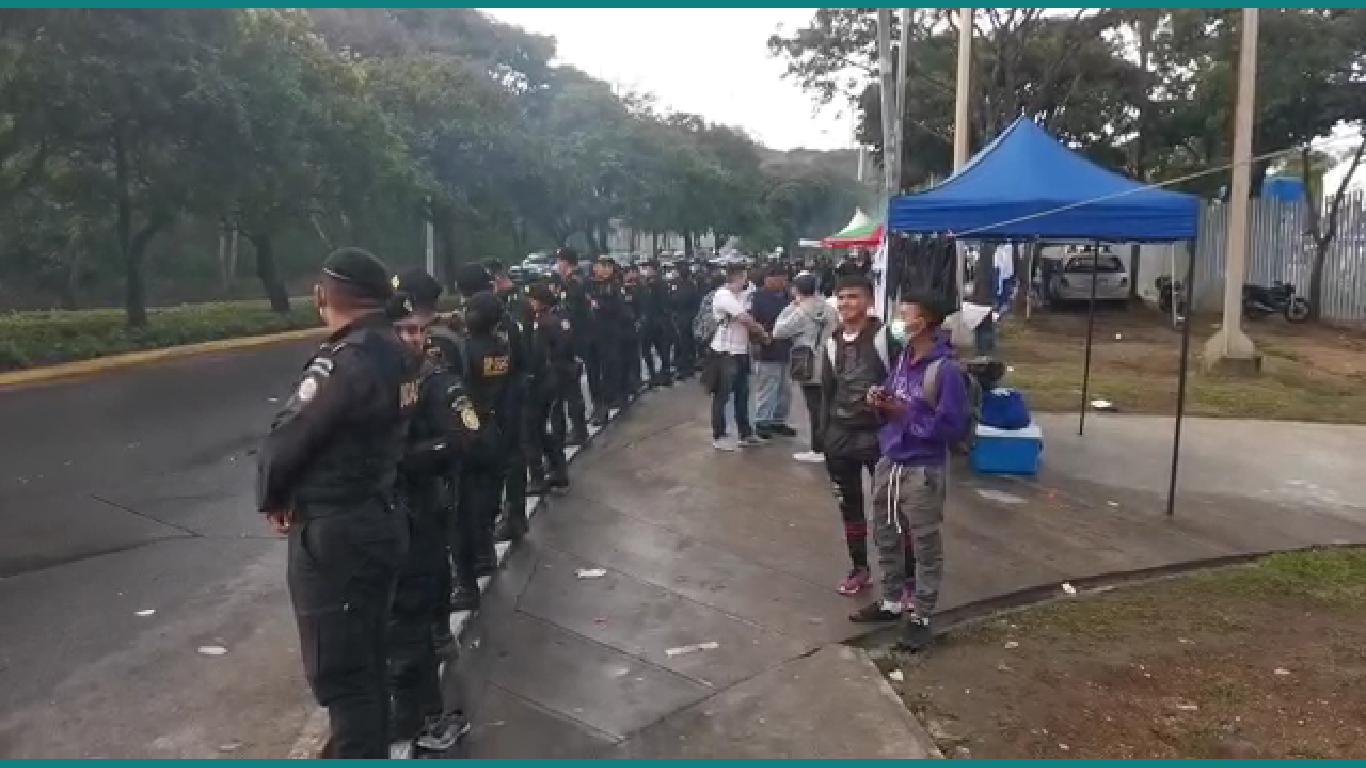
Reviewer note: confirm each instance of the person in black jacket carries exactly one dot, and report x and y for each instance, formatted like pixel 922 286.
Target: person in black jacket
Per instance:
pixel 493 365
pixel 516 326
pixel 608 320
pixel 858 356
pixel 635 349
pixel 326 479
pixel 573 308
pixel 441 426
pixel 658 331
pixel 551 338
pixel 681 302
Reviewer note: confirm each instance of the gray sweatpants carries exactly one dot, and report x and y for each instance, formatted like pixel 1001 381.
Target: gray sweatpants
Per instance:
pixel 908 502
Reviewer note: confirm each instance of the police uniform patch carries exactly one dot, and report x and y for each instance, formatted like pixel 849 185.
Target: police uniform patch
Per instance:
pixel 468 416
pixel 308 388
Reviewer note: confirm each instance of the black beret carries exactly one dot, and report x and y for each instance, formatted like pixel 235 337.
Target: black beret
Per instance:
pixel 422 288
pixel 471 279
pixel 805 284
pixel 494 266
pixel 568 255
pixel 541 293
pixel 362 270
pixel 482 311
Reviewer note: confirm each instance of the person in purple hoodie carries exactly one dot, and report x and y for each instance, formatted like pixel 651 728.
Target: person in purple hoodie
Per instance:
pixel 924 405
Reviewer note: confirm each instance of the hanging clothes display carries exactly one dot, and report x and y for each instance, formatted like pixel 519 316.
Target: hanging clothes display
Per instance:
pixel 925 263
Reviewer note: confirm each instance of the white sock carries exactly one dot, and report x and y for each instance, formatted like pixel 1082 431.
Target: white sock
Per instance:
pixel 892 606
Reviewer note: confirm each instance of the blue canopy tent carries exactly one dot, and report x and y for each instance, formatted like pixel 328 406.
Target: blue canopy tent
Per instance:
pixel 1026 184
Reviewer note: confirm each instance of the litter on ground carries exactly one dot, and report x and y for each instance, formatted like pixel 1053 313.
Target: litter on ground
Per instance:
pixel 694 648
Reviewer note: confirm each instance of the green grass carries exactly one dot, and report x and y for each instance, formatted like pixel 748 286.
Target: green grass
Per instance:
pixel 1331 579
pixel 33 339
pixel 1312 376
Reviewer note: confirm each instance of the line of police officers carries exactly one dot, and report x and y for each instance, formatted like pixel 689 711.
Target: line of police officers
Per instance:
pixel 408 433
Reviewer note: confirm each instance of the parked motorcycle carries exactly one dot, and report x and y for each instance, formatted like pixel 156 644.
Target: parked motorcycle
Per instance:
pixel 1171 293
pixel 1279 298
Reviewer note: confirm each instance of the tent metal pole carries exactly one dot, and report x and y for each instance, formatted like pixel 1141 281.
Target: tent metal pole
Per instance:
pixel 1090 333
pixel 1182 373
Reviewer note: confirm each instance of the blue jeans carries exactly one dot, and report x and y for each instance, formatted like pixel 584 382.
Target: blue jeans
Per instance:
pixel 773 393
pixel 732 387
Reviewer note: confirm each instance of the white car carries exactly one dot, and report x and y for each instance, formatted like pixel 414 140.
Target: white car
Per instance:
pixel 1068 277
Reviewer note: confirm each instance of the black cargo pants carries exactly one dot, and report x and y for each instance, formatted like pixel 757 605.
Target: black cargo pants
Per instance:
pixel 343 563
pixel 414 674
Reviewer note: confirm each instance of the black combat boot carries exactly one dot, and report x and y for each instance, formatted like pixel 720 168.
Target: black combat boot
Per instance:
pixel 578 436
pixel 536 485
pixel 512 526
pixel 465 597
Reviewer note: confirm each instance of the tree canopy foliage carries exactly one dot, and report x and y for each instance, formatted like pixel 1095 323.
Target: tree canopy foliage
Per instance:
pixel 1147 90
pixel 139 148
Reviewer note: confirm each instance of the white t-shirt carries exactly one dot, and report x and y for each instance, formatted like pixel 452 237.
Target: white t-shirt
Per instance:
pixel 732 338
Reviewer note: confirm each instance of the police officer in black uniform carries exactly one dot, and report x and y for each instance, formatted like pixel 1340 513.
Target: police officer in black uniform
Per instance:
pixel 551 339
pixel 657 332
pixel 490 369
pixel 574 309
pixel 608 318
pixel 516 324
pixel 681 302
pixel 633 349
pixel 326 478
pixel 443 425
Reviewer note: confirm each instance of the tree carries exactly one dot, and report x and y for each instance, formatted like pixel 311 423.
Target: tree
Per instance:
pixel 1068 72
pixel 135 89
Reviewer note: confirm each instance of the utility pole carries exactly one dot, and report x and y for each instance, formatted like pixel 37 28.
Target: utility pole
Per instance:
pixel 1229 342
pixel 903 67
pixel 962 127
pixel 431 239
pixel 889 100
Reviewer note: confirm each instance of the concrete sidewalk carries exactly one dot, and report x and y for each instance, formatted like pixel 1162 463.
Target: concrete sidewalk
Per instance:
pixel 698 548
pixel 743 550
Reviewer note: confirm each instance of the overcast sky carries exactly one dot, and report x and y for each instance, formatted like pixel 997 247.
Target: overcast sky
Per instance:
pixel 708 61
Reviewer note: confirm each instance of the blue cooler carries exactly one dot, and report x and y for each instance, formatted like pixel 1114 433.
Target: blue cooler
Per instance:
pixel 1007 451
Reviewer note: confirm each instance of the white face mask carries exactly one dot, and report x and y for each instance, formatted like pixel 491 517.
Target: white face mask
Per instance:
pixel 898 329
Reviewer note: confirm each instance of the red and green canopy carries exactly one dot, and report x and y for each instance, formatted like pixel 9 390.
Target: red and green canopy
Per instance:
pixel 861 230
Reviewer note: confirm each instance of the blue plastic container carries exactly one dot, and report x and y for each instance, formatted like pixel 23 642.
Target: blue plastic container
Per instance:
pixel 1007 451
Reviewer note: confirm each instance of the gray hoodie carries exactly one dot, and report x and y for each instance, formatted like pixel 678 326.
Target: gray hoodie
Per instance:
pixel 806 322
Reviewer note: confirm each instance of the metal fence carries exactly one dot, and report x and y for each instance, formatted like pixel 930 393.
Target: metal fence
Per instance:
pixel 1281 249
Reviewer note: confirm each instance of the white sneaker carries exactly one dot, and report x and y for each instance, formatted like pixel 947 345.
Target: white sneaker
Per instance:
pixel 725 444
pixel 809 457
pixel 753 440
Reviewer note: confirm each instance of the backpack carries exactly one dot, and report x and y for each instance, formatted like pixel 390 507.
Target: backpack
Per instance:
pixel 974 389
pixel 705 323
pixel 882 343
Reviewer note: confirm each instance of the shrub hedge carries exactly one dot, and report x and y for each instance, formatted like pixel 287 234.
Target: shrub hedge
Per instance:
pixel 32 339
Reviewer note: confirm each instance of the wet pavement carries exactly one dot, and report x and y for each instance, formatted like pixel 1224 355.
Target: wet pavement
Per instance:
pixel 743 550
pixel 131 491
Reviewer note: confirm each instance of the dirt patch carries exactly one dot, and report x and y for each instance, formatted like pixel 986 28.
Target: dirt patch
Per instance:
pixel 1309 373
pixel 1259 661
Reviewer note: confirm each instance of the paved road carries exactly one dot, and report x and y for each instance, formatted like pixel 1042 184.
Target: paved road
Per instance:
pixel 127 492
